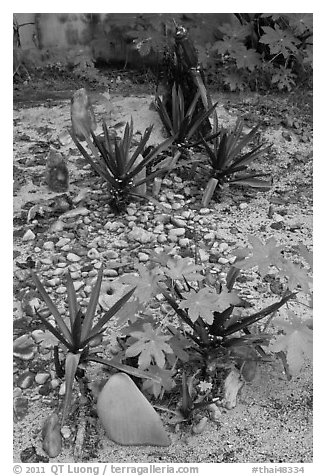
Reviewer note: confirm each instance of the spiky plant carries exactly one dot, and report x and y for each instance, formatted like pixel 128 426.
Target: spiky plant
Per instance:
pixel 183 125
pixel 228 161
pixel 78 336
pixel 125 172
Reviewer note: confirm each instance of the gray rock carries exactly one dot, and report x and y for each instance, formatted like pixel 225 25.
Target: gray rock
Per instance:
pixel 140 235
pixel 73 258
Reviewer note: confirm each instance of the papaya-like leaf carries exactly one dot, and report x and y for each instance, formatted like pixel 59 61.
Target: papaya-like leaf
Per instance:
pixel 296 342
pixel 151 345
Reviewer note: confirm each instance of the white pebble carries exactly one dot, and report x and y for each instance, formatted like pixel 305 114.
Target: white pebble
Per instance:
pixel 223 260
pixel 63 242
pixel 243 205
pixel 29 236
pixel 78 285
pixel 177 231
pixel 93 253
pixel 223 247
pixel 184 242
pixel 143 257
pixel 48 245
pixel 73 257
pixel 204 211
pixel 41 378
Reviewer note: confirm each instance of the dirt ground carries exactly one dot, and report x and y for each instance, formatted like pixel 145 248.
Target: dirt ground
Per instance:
pixel 272 421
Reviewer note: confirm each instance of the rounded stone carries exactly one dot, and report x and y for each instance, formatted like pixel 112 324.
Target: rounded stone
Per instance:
pixel 93 254
pixel 41 378
pixel 73 258
pixel 177 231
pixel 127 416
pixel 29 236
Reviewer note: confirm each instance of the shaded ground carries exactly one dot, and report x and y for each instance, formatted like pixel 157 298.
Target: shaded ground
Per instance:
pixel 272 421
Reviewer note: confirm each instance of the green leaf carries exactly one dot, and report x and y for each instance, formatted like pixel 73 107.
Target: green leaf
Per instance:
pixel 209 191
pixel 204 302
pixel 183 268
pixel 72 300
pixel 263 255
pixel 110 313
pixel 129 312
pixel 71 364
pixel 248 320
pixel 296 276
pixel 296 343
pixel 252 181
pixel 151 346
pixel 140 148
pixel 306 254
pixel 150 157
pixel 166 383
pixel 76 330
pixel 53 309
pixel 279 41
pixel 91 308
pixel 146 283
pixel 54 331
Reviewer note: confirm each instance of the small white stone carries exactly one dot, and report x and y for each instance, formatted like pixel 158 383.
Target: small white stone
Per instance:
pixel 48 245
pixel 29 236
pixel 93 253
pixel 204 211
pixel 278 218
pixel 60 290
pixel 61 265
pixel 78 285
pixel 62 389
pixel 111 273
pixel 243 205
pixel 72 257
pixel 209 236
pixel 65 432
pixel 55 383
pixel 53 282
pixel 41 378
pixel 177 231
pixel 143 257
pixel 184 242
pixel 162 238
pixel 63 242
pixel 223 260
pixel 223 247
pixel 47 261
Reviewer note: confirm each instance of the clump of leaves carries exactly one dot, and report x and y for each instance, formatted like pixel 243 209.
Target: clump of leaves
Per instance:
pixel 295 341
pixel 229 163
pixel 211 331
pixel 125 172
pixel 82 332
pixel 257 41
pixel 183 125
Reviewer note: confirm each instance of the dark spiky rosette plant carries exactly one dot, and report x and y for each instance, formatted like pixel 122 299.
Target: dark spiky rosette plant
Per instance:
pixel 229 163
pixel 125 172
pixel 184 126
pixel 82 332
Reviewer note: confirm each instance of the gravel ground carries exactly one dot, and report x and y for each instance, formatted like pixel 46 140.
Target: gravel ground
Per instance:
pixel 272 421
